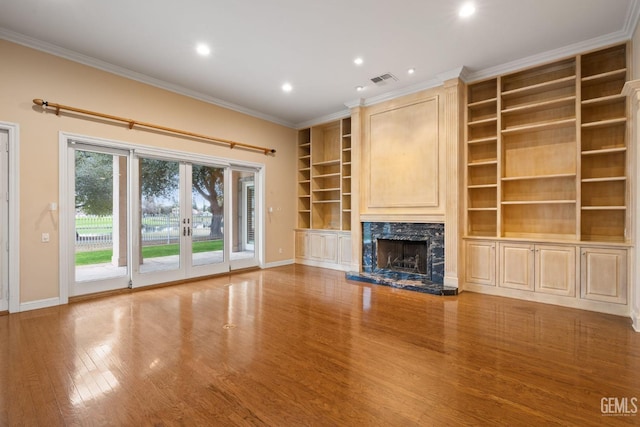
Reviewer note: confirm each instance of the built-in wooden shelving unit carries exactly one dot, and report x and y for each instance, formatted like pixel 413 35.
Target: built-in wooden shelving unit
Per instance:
pixel 546 151
pixel 547 187
pixel 324 176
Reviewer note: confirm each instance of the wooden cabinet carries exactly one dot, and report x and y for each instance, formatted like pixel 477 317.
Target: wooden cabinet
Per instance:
pixel 541 268
pixel 603 275
pixel 480 262
pixel 324 248
pixel 324 194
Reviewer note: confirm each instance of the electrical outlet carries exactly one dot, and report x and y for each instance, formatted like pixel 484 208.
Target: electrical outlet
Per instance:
pixel 279 250
pixel 45 237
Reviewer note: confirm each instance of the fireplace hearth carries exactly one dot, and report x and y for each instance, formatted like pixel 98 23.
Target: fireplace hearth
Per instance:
pixel 404 255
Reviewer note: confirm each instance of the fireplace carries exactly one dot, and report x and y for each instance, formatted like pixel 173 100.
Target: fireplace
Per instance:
pixel 409 256
pixel 404 255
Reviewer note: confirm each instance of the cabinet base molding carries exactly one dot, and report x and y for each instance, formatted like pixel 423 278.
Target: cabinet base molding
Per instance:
pixel 601 307
pixel 324 264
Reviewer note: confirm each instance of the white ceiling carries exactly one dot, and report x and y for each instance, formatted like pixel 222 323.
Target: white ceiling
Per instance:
pixel 257 45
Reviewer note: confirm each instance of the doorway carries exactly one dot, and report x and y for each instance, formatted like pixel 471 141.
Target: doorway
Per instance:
pixel 140 216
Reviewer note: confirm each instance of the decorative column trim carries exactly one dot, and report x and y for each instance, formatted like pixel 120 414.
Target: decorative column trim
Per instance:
pixel 632 91
pixel 452 114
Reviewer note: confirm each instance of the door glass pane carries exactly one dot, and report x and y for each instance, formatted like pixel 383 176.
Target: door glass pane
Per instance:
pixel 207 243
pixel 160 225
pixel 100 216
pixel 243 215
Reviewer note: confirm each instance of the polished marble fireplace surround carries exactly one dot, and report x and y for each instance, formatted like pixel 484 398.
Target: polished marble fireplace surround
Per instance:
pixel 432 234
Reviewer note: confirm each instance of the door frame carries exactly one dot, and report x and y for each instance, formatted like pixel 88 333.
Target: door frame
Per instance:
pixel 13 234
pixel 145 151
pixel 110 283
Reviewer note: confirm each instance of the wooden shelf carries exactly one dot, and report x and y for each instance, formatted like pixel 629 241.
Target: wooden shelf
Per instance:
pixel 327 175
pixel 484 163
pixel 602 123
pixel 609 75
pixel 483 121
pixel 554 176
pixel 539 202
pixel 552 84
pixel 483 103
pixel 483 186
pixel 604 100
pixel 604 208
pixel 540 105
pixel 321 190
pixel 607 179
pixel 483 140
pixel 481 209
pixel 327 162
pixel 604 151
pixel 551 124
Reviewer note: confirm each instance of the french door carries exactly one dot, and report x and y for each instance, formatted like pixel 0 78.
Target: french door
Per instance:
pixel 179 222
pixel 138 217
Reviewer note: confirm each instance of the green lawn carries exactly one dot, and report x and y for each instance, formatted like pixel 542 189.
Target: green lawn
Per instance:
pixel 103 256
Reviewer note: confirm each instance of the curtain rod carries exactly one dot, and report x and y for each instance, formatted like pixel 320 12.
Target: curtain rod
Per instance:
pixel 132 123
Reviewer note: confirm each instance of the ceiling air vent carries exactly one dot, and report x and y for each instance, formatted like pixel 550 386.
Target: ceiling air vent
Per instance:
pixel 384 79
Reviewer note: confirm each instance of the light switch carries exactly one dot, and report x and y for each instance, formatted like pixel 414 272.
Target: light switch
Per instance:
pixel 45 237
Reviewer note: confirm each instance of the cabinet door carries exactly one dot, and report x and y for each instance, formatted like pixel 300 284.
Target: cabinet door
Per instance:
pixel 330 248
pixel 316 246
pixel 481 262
pixel 345 249
pixel 302 244
pixel 516 266
pixel 603 275
pixel 555 270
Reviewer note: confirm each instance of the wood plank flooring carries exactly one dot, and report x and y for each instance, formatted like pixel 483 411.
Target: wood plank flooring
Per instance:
pixel 296 345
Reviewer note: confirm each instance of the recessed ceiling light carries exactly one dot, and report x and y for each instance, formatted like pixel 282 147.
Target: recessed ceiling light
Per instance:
pixel 203 49
pixel 287 87
pixel 359 88
pixel 467 10
pixel 411 70
pixel 358 61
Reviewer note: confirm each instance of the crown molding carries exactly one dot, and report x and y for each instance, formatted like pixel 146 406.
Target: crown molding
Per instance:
pixel 58 51
pixel 549 56
pixel 324 119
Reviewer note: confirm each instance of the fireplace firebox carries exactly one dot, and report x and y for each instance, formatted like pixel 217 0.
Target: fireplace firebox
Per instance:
pixel 409 256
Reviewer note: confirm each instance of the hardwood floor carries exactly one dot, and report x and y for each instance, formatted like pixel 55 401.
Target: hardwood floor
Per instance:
pixel 298 345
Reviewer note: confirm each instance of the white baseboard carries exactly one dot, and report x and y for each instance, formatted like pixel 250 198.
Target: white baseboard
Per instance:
pixel 635 320
pixel 278 263
pixel 451 282
pixel 42 303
